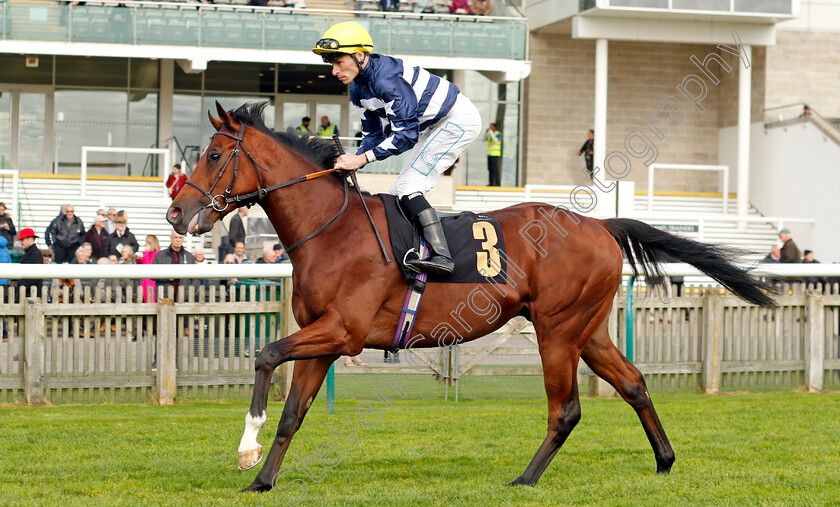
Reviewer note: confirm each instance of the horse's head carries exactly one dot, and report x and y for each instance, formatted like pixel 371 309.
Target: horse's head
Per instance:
pixel 224 173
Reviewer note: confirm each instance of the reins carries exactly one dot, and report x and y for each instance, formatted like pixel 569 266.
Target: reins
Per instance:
pixel 251 198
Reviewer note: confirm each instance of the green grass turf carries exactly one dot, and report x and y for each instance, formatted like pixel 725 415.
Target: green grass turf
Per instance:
pixel 771 448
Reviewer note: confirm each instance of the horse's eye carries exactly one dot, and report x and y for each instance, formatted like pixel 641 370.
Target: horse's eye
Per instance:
pixel 214 157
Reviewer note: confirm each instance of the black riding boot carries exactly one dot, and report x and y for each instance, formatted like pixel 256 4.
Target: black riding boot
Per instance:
pixel 440 261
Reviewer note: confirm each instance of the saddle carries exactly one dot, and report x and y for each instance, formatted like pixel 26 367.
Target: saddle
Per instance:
pixel 475 241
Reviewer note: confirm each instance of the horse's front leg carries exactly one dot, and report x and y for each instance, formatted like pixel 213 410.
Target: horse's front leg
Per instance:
pixel 306 381
pixel 324 337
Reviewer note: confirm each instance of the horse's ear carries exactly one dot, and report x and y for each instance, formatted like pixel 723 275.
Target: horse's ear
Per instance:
pixel 217 124
pixel 226 118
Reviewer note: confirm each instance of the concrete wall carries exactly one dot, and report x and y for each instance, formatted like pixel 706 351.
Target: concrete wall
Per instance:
pixel 795 172
pixel 804 67
pixel 560 101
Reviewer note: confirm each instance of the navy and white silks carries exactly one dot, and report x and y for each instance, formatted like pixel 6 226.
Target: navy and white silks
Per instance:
pixel 428 115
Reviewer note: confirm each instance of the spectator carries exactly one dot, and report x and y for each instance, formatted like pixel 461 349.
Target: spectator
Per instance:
pixel 789 251
pixel 494 156
pixel 47 254
pixel 48 232
pixel 239 254
pixel 176 181
pixel 127 255
pixel 460 7
pixel 482 7
pixel 80 256
pixel 269 257
pixel 198 253
pixel 389 5
pixel 31 255
pixel 175 254
pixel 121 237
pixel 5 256
pixel 111 224
pixel 97 237
pixel 259 3
pixel 229 259
pixel 280 253
pixel 587 150
pixel 327 129
pixel 424 7
pixel 152 247
pixel 7 226
pixel 236 230
pixel 809 259
pixel 67 235
pixel 88 248
pixel 354 361
pixel 806 111
pixel 774 255
pixel 303 128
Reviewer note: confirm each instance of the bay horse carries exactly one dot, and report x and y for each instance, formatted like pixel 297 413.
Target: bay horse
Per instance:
pixel 346 297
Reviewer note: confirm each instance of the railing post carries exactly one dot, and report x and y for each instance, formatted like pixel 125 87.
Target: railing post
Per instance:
pixel 33 352
pixel 814 342
pixel 167 327
pixel 712 341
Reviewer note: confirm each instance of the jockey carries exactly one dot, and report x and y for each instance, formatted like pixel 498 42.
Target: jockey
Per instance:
pixel 428 115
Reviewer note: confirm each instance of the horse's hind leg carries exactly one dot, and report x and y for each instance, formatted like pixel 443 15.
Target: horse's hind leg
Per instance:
pixel 608 363
pixel 306 381
pixel 560 377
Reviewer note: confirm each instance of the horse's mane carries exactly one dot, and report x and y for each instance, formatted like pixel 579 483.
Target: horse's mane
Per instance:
pixel 320 152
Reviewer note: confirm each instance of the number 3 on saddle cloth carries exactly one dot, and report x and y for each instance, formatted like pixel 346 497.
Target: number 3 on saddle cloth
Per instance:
pixel 475 242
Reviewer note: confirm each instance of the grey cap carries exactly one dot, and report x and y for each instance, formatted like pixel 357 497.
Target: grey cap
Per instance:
pixel 784 231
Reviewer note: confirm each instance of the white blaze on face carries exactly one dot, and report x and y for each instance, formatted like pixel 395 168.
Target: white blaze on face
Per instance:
pixel 253 425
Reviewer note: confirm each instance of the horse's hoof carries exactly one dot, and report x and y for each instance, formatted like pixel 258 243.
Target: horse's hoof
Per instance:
pixel 257 488
pixel 249 459
pixel 520 482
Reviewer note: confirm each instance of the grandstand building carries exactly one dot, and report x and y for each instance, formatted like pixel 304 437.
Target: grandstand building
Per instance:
pixel 134 76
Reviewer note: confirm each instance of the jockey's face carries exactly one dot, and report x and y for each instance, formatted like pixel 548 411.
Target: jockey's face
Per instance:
pixel 345 68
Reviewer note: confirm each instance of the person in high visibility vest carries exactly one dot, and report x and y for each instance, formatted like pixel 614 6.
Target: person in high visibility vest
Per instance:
pixel 327 128
pixel 303 128
pixel 587 151
pixel 494 156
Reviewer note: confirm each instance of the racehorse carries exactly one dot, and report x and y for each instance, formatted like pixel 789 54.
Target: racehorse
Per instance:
pixel 347 297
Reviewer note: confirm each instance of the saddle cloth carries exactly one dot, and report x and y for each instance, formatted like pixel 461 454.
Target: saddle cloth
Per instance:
pixel 475 241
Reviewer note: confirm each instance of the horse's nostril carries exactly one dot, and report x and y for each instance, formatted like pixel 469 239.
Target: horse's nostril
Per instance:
pixel 175 213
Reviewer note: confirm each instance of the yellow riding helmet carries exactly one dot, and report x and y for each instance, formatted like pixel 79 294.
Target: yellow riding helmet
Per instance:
pixel 348 37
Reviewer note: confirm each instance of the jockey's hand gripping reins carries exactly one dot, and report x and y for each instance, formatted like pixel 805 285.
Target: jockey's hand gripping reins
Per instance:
pixel 359 191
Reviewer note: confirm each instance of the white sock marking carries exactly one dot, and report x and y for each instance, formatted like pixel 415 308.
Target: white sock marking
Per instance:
pixel 253 425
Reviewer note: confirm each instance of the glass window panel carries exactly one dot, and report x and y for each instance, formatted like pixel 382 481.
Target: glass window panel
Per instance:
pixel 230 102
pixel 187 114
pixel 332 112
pixel 184 81
pixel 142 133
pixel 31 154
pixel 701 5
pixel 15 70
pixel 239 77
pixel 293 112
pixel 144 74
pixel 90 118
pixel 5 129
pixel 770 6
pixel 90 71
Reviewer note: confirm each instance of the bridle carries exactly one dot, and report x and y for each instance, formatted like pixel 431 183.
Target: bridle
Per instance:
pixel 251 198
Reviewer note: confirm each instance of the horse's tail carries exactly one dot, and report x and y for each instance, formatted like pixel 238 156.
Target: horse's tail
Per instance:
pixel 646 247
